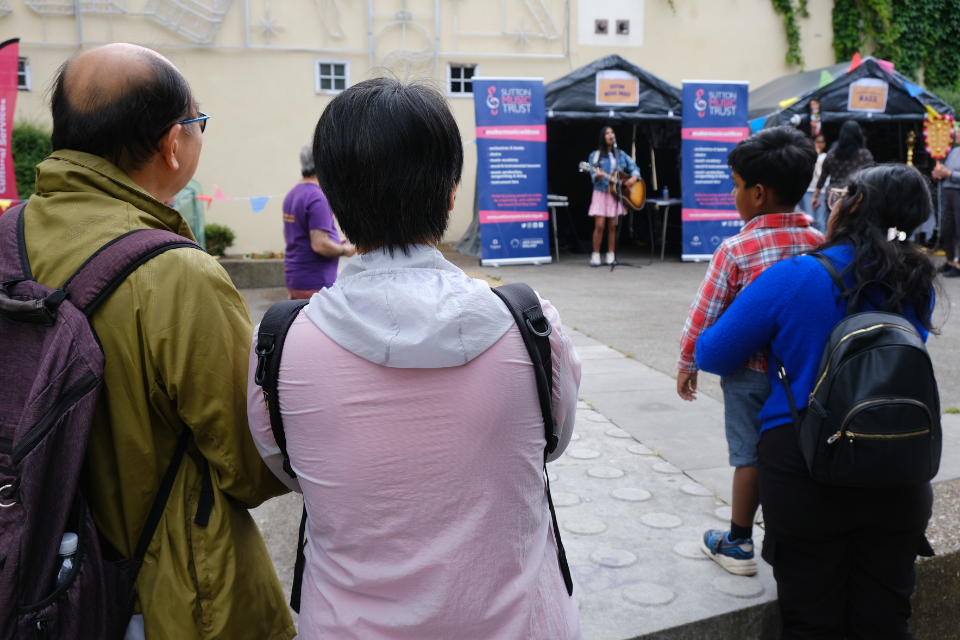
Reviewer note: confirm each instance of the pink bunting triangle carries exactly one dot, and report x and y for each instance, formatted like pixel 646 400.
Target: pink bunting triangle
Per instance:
pixel 218 194
pixel 886 65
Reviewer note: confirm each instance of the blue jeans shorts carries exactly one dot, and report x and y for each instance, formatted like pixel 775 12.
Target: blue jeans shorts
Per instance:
pixel 744 394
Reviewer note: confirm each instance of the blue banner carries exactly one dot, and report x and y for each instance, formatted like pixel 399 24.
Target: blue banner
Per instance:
pixel 512 171
pixel 714 121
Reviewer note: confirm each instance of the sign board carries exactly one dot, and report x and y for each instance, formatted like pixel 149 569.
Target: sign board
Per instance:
pixel 9 59
pixel 868 94
pixel 512 170
pixel 714 121
pixel 617 89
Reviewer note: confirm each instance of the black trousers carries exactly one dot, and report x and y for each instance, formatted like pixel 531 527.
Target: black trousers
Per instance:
pixel 842 557
pixel 950 223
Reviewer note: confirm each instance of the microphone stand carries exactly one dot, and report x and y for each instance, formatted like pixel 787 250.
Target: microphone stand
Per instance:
pixel 616 263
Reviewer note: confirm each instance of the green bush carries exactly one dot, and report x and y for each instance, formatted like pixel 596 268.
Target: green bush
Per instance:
pixel 950 96
pixel 219 239
pixel 30 145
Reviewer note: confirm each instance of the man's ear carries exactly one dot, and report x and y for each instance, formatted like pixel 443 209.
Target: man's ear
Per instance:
pixel 169 145
pixel 763 194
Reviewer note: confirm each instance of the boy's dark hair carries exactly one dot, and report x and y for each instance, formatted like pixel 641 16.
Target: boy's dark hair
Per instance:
pixel 781 159
pixel 387 155
pixel 126 129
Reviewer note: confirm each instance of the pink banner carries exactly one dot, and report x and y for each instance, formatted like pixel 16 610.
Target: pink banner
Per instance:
pixel 730 134
pixel 9 59
pixel 694 215
pixel 529 133
pixel 512 216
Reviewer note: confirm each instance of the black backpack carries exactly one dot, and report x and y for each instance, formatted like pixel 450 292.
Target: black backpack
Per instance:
pixel 873 418
pixel 522 302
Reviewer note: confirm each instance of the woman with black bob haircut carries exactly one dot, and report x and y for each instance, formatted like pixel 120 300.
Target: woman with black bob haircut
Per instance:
pixel 848 156
pixel 843 557
pixel 410 405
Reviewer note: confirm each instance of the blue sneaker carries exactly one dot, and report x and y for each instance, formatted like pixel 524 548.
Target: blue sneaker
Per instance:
pixel 736 556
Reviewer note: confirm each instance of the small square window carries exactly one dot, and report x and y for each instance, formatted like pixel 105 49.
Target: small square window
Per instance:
pixel 457 74
pixel 332 76
pixel 23 74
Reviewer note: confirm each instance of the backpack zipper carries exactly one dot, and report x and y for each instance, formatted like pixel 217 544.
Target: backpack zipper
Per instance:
pixel 871 436
pixel 43 426
pixel 850 335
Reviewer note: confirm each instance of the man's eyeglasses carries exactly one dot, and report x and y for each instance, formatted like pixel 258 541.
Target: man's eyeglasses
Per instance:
pixel 202 119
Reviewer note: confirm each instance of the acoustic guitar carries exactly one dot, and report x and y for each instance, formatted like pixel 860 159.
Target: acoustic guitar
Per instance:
pixel 633 198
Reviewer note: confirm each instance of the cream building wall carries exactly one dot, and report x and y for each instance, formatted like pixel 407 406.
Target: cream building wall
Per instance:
pixel 252 64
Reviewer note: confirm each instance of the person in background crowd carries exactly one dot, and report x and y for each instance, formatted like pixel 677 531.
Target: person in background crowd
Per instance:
pixel 771 170
pixel 819 214
pixel 314 248
pixel 420 456
pixel 127 137
pixel 949 173
pixel 843 557
pixel 604 207
pixel 849 156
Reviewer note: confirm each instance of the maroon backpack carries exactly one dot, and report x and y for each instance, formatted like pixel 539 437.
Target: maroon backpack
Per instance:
pixel 51 374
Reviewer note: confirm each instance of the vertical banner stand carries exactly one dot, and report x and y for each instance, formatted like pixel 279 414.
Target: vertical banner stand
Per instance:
pixel 512 171
pixel 714 121
pixel 9 66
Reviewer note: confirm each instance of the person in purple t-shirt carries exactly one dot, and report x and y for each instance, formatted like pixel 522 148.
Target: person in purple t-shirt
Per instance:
pixel 314 247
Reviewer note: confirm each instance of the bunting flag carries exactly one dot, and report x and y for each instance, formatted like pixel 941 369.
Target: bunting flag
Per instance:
pixel 825 79
pixel 757 124
pixel 886 65
pixel 912 90
pixel 856 62
pixel 789 101
pixel 257 203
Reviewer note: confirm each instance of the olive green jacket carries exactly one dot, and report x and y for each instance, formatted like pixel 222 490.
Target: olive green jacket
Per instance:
pixel 176 336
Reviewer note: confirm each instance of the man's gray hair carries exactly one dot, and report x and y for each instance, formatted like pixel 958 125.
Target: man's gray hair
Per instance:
pixel 307 166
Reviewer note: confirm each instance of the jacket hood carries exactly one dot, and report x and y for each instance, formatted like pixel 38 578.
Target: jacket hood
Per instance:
pixel 414 311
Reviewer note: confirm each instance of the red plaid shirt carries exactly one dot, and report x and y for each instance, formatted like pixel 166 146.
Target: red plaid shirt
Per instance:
pixel 737 262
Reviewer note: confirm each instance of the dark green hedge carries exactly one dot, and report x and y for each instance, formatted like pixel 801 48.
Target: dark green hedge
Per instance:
pixel 30 146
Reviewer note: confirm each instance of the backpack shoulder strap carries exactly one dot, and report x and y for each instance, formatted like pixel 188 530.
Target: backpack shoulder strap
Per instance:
pixel 111 264
pixel 837 280
pixel 273 333
pixel 535 329
pixel 14 265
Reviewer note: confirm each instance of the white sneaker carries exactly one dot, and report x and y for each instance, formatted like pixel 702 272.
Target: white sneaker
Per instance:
pixel 595 259
pixel 611 256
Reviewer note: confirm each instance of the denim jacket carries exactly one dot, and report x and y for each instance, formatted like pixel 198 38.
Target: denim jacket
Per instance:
pixel 624 163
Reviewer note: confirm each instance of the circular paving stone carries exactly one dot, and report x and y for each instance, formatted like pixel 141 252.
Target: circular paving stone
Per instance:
pixel 584 526
pixel 593 416
pixel 724 513
pixel 565 499
pixel 694 489
pixel 690 550
pixel 552 476
pixel 649 595
pixel 665 467
pixel 739 586
pixel 583 454
pixel 574 437
pixel 630 494
pixel 607 473
pixel 613 558
pixel 617 432
pixel 661 520
pixel 639 449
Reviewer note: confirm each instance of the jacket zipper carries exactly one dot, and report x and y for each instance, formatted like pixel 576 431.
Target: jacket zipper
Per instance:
pixel 847 337
pixel 43 426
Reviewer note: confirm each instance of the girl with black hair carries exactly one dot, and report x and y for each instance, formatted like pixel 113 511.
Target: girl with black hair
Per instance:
pixel 843 557
pixel 849 156
pixel 604 207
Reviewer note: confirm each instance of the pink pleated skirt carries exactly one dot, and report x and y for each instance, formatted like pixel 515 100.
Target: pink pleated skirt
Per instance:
pixel 605 205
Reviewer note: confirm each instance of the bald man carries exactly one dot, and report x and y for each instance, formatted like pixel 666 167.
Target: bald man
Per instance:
pixel 175 336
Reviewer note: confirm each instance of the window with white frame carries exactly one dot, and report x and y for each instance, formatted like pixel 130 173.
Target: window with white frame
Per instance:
pixel 332 75
pixel 23 74
pixel 460 79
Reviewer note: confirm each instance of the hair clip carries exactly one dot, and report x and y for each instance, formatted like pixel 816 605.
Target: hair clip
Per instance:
pixel 894 234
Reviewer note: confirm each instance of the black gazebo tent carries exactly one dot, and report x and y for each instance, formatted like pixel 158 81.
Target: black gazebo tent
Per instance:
pixel 766 99
pixel 650 131
pixel 886 131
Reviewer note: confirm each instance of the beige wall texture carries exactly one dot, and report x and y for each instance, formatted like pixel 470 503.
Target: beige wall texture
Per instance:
pixel 252 64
